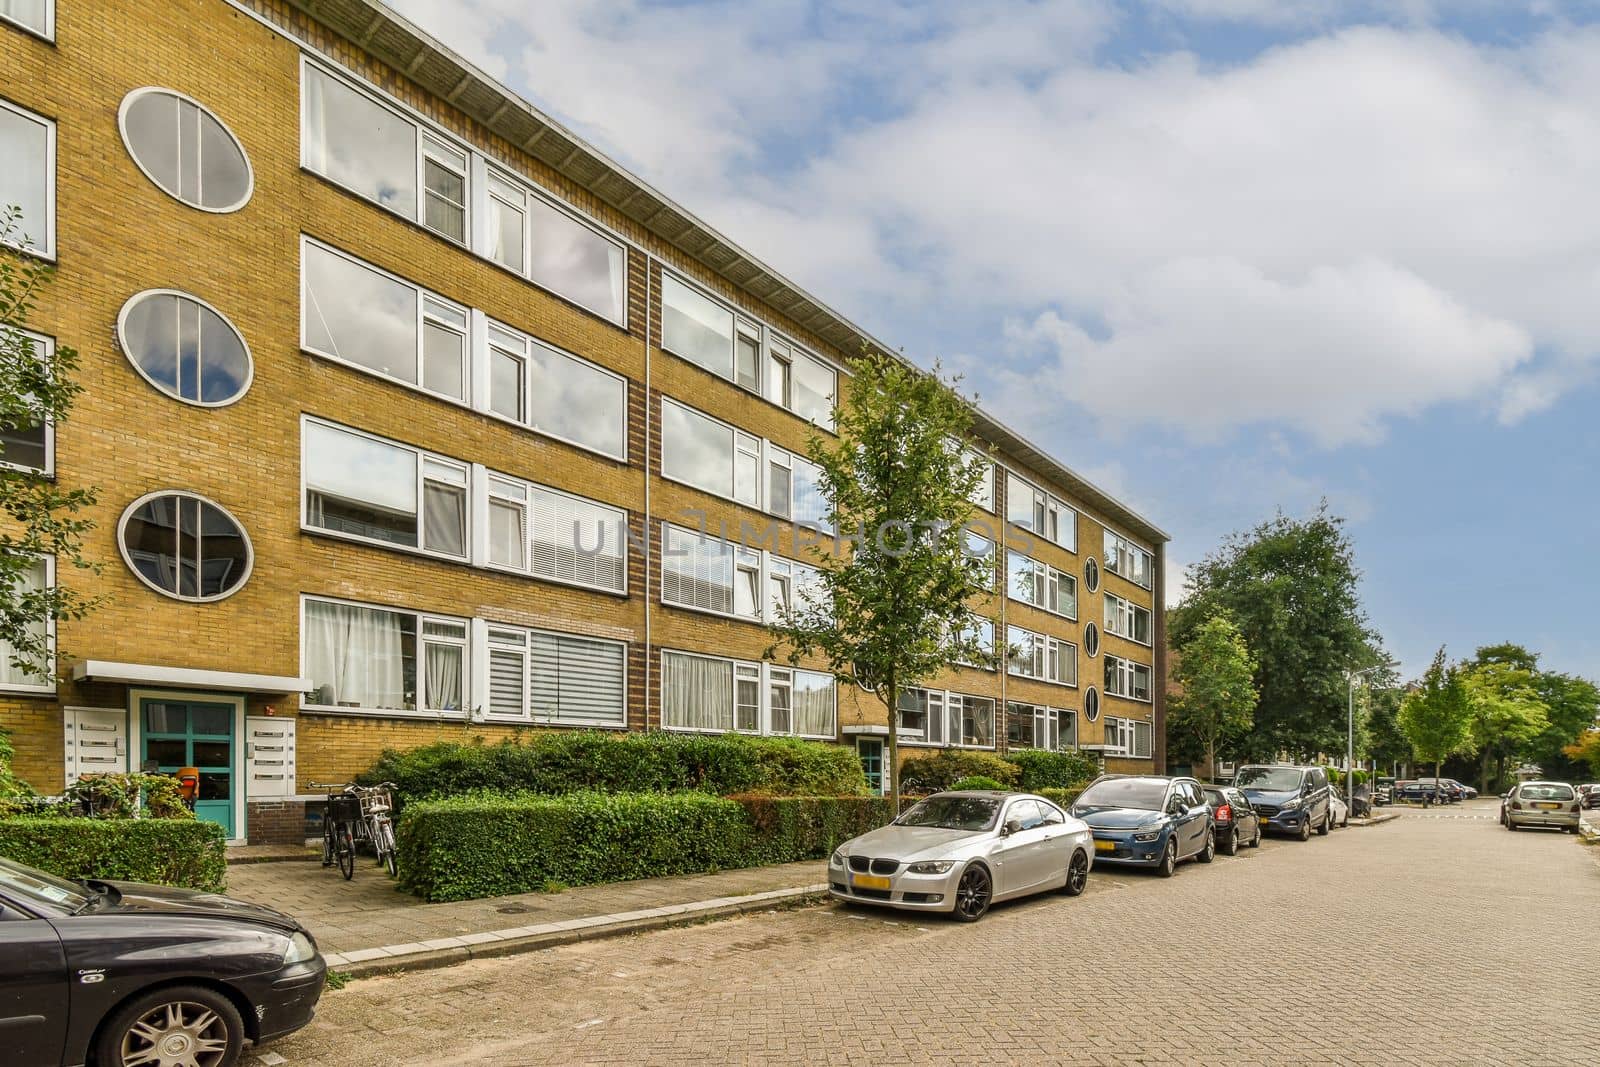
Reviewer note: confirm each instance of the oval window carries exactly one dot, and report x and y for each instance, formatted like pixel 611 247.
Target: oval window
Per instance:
pixel 1091 704
pixel 184 546
pixel 184 347
pixel 1091 574
pixel 185 149
pixel 1091 640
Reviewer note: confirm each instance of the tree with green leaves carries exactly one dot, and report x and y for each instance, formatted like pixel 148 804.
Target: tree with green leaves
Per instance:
pixel 897 607
pixel 1572 705
pixel 1436 716
pixel 1507 713
pixel 1385 743
pixel 1586 750
pixel 40 519
pixel 1217 673
pixel 1290 586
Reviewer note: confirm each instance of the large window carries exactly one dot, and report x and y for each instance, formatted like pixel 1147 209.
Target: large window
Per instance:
pixel 1130 735
pixel 35 15
pixel 1049 659
pixel 1037 726
pixel 1125 678
pixel 1041 585
pixel 556 535
pixel 709 455
pixel 1034 509
pixel 707 332
pixel 542 242
pixel 1127 619
pixel 28 178
pixel 35 578
pixel 184 347
pixel 363 316
pixel 30 448
pixel 185 546
pixel 713 574
pixel 555 678
pixel 937 717
pixel 556 393
pixel 1128 559
pixel 380 659
pixel 185 150
pixel 367 487
pixel 711 694
pixel 979 631
pixel 983 495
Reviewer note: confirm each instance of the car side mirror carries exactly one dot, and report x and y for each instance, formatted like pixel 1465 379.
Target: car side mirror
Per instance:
pixel 1011 827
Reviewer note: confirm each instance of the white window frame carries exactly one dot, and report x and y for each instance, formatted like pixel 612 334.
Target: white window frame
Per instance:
pixel 127 349
pixel 46 32
pixel 985 491
pixel 1039 652
pixel 49 468
pixel 127 559
pixel 1116 547
pixel 47 250
pixel 1059 722
pixel 484 646
pixel 1043 579
pixel 1128 735
pixel 422 618
pixel 769 569
pixel 764 679
pixel 766 454
pixel 969 536
pixel 772 346
pixel 1126 673
pixel 950 703
pixel 481 502
pixel 1045 508
pixel 477 241
pixel 525 356
pixel 1121 618
pixel 127 144
pixel 980 623
pixel 48 687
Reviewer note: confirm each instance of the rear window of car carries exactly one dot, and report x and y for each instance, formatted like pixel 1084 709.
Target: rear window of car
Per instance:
pixel 1546 792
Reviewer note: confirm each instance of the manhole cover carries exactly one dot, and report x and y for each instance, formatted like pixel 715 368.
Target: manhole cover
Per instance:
pixel 513 909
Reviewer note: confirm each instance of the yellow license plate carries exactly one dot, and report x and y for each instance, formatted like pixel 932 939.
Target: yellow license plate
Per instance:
pixel 1105 846
pixel 868 881
pixel 1547 807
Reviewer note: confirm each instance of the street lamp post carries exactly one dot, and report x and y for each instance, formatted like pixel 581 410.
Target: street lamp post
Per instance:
pixel 1350 757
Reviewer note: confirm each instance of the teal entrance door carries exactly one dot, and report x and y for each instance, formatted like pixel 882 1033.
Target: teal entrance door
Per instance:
pixel 178 734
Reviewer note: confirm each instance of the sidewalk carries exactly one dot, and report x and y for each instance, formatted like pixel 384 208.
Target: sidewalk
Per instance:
pixel 367 925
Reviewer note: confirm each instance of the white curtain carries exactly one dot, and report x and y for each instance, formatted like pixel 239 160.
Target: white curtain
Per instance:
pixel 813 704
pixel 359 653
pixel 444 518
pixel 443 677
pixel 698 692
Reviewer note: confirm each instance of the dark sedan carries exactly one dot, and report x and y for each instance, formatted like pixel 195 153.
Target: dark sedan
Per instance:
pixel 123 974
pixel 1235 820
pixel 1147 820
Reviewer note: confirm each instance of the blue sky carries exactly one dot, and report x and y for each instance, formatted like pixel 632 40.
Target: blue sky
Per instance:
pixel 1222 256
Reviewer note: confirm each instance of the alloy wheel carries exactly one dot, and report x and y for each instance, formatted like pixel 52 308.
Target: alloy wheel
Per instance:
pixel 973 893
pixel 1231 846
pixel 1077 874
pixel 1209 853
pixel 179 1033
pixel 1169 859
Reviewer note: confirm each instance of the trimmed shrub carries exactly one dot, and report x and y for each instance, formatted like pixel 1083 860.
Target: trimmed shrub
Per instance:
pixel 180 852
pixel 786 829
pixel 1053 770
pixel 947 766
pixel 977 781
pixel 599 761
pixel 1062 798
pixel 461 847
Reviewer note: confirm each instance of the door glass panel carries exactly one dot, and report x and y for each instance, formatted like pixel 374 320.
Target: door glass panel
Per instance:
pixel 215 785
pixel 166 718
pixel 168 752
pixel 209 719
pixel 211 753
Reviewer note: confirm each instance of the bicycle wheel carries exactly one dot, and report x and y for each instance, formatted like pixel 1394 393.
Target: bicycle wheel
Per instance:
pixel 391 855
pixel 327 843
pixel 347 853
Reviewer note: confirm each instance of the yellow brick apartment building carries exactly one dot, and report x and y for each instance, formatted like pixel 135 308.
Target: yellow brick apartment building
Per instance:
pixel 413 416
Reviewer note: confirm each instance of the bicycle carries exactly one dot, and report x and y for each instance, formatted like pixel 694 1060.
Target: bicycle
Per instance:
pixel 355 814
pixel 339 820
pixel 377 802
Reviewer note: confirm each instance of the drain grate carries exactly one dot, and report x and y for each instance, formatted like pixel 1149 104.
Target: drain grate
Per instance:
pixel 513 909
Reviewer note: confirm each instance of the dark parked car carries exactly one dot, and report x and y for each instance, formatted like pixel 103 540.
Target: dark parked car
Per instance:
pixel 1147 820
pixel 1383 792
pixel 1447 789
pixel 1591 799
pixel 1288 799
pixel 122 974
pixel 1233 820
pixel 1465 791
pixel 1422 791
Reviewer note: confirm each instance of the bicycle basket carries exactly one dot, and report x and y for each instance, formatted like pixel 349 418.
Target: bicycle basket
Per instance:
pixel 374 801
pixel 343 808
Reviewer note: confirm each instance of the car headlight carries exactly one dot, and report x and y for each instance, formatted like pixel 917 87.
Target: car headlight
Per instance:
pixel 300 949
pixel 837 860
pixel 1147 833
pixel 931 866
pixel 1293 805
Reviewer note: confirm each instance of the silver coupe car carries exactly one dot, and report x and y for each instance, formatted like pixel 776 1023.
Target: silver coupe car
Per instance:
pixel 961 852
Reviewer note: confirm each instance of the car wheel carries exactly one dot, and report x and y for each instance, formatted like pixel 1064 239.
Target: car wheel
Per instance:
pixel 973 893
pixel 1230 844
pixel 1169 859
pixel 1256 842
pixel 1510 825
pixel 1209 853
pixel 1327 824
pixel 180 1024
pixel 1077 875
pixel 1305 829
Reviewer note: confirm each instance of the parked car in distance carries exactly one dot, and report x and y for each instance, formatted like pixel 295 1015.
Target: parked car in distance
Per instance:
pixel 1289 799
pixel 1383 791
pixel 122 974
pixel 1591 799
pixel 1466 791
pixel 960 852
pixel 1543 804
pixel 1233 820
pixel 1341 811
pixel 1147 820
pixel 1423 791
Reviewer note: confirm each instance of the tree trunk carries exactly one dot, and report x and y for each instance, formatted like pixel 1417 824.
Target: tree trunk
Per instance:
pixel 1211 757
pixel 1437 765
pixel 893 755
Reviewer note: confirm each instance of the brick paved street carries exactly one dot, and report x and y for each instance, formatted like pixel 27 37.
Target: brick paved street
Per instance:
pixel 1394 944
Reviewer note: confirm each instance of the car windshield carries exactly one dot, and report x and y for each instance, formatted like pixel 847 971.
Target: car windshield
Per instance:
pixel 37 887
pixel 1143 793
pixel 953 813
pixel 1268 779
pixel 1547 792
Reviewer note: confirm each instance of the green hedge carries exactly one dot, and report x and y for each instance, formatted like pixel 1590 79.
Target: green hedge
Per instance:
pixel 942 769
pixel 599 761
pixel 168 851
pixel 1062 797
pixel 463 847
pixel 977 781
pixel 1053 770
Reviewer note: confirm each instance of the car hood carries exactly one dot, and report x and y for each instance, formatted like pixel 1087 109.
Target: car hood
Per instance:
pixel 1278 797
pixel 910 842
pixel 142 898
pixel 1118 818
